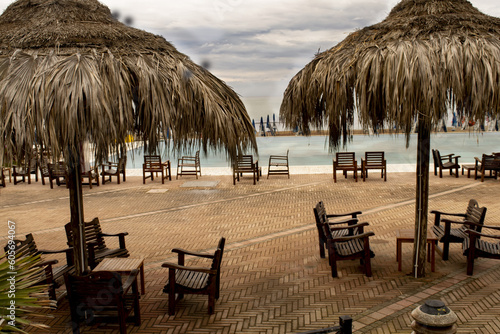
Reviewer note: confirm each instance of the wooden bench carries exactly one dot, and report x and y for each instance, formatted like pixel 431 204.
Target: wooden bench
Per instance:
pixel 153 164
pixel 473 218
pixel 374 160
pixel 345 161
pixel 96 245
pixel 194 280
pixel 246 164
pixel 54 276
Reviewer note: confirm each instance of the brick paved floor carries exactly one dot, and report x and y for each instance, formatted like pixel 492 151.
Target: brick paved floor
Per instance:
pixel 273 280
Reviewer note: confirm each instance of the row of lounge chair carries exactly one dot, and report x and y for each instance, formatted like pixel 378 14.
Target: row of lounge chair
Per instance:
pixel 487 164
pixel 347 239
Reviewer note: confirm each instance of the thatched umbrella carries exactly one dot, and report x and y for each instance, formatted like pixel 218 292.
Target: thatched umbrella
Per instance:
pixel 71 73
pixel 426 56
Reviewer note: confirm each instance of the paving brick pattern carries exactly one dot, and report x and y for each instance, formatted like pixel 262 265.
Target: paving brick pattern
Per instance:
pixel 273 280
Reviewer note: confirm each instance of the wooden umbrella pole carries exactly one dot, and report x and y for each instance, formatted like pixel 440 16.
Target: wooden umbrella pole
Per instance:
pixel 422 195
pixel 77 218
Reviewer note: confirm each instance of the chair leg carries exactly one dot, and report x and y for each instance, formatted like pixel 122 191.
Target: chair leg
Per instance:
pixel 321 249
pixel 171 293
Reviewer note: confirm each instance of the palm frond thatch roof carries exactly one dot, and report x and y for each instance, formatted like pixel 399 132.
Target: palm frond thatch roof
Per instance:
pixel 70 72
pixel 425 56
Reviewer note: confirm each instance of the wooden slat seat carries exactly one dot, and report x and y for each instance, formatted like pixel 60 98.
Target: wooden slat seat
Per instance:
pixel 443 162
pixel 246 164
pixel 184 279
pixel 475 246
pixel 473 218
pixel 374 160
pixel 53 275
pixel 96 245
pixel 345 161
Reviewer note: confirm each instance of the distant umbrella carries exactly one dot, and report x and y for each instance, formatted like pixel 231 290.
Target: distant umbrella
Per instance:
pixel 71 73
pixel 268 124
pixel 274 119
pixel 253 124
pixel 425 56
pixel 262 128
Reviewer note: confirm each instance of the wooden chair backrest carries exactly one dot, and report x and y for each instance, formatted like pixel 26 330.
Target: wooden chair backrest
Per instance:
pixel 320 215
pixel 217 260
pixel 475 214
pixel 244 163
pixel 94 291
pixel 345 158
pixel 374 158
pixel 24 247
pixel 490 161
pixel 93 234
pixel 152 161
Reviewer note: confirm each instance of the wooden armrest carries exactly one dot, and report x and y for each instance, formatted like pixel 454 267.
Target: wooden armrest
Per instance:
pixel 350 227
pixel 47 262
pixel 353 237
pixel 449 221
pixel 45 251
pixel 349 221
pixel 132 279
pixel 197 269
pixel 448 213
pixel 113 234
pixel 186 252
pixel 478 234
pixel 352 214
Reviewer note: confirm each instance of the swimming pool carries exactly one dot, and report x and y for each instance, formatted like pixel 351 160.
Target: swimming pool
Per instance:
pixel 313 150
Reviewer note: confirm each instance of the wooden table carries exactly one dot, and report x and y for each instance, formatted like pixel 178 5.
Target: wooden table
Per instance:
pixel 408 235
pixel 123 265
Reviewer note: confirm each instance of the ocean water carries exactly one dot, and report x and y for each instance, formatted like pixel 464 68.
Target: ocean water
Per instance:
pixel 314 150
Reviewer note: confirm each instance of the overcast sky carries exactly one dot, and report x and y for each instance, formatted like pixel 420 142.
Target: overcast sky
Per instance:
pixel 256 46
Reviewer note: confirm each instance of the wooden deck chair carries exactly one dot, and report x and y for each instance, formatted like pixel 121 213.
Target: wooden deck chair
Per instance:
pixel 449 161
pixel 53 275
pixel 57 173
pixel 323 218
pixel 479 244
pixel 350 247
pixel 189 165
pixel 473 218
pixel 374 160
pixel 111 169
pixel 183 279
pixel 488 163
pixel 246 164
pixel 278 165
pixel 96 244
pixel 345 161
pixel 153 165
